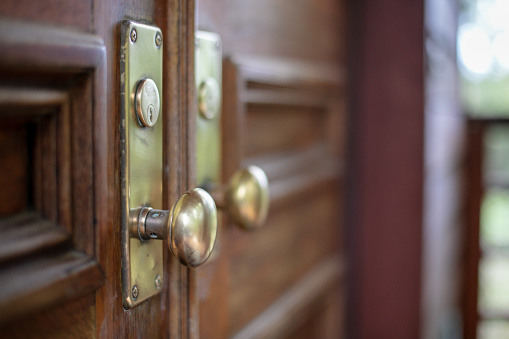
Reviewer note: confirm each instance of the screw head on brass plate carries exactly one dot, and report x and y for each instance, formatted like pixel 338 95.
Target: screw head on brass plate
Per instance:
pixel 133 35
pixel 147 102
pixel 158 281
pixel 159 39
pixel 209 98
pixel 135 292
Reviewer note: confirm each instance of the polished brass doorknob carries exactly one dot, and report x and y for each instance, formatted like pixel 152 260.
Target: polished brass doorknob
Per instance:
pixel 190 227
pixel 246 197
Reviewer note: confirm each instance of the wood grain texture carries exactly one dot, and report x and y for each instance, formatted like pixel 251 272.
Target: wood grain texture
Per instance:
pixel 58 279
pixel 307 30
pixel 14 196
pixel 291 309
pixel 71 319
pixel 48 48
pixel 74 14
pixel 26 234
pixel 267 263
pixel 277 116
pixel 46 90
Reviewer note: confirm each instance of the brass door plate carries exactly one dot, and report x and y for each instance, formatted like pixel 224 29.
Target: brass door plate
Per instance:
pixel 141 148
pixel 208 62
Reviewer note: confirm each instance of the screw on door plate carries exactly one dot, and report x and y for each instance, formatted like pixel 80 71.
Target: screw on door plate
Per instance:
pixel 159 39
pixel 135 292
pixel 134 35
pixel 158 281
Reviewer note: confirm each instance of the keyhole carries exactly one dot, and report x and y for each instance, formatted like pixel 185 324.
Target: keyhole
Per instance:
pixel 150 114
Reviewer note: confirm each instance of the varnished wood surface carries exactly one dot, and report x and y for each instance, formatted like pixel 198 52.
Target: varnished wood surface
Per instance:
pixel 49 246
pixel 47 48
pixel 77 153
pixel 297 304
pixel 27 287
pixel 307 30
pixel 28 233
pixel 278 117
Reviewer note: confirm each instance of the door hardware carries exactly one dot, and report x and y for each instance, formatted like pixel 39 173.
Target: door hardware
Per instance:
pixel 246 197
pixel 147 102
pixel 190 226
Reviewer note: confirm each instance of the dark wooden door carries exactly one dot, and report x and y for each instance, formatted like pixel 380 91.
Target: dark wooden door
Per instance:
pixel 60 202
pixel 60 254
pixel 284 105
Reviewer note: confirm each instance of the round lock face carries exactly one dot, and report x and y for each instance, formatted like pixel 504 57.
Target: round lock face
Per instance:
pixel 147 102
pixel 209 98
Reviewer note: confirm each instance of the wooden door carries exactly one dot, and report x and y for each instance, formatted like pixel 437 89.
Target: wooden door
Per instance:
pixel 60 254
pixel 60 202
pixel 284 111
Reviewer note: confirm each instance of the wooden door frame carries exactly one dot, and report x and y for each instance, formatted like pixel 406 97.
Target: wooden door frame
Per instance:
pixel 385 168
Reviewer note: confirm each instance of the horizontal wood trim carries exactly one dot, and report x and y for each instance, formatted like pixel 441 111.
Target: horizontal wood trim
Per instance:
pixel 293 98
pixel 279 164
pixel 47 281
pixel 292 174
pixel 292 308
pixel 26 234
pixel 37 98
pixel 35 46
pixel 302 183
pixel 288 73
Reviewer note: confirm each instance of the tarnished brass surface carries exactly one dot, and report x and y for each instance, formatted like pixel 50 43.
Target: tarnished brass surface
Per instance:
pixel 193 227
pixel 247 198
pixel 190 228
pixel 208 62
pixel 147 101
pixel 141 163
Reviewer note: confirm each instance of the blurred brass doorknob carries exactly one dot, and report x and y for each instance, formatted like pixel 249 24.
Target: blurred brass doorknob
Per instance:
pixel 246 197
pixel 190 227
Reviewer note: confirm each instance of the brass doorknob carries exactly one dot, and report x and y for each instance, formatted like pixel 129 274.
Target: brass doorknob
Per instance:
pixel 246 197
pixel 190 227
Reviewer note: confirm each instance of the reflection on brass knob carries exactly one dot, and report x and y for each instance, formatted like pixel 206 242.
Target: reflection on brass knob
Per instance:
pixel 190 227
pixel 246 198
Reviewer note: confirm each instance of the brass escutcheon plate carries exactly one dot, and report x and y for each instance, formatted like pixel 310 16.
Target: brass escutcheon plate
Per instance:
pixel 141 148
pixel 208 62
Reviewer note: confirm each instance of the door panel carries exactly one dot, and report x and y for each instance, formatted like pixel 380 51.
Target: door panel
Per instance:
pixel 284 111
pixel 59 106
pixel 46 109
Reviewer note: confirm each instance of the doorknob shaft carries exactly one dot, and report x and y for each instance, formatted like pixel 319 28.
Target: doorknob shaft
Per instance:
pixel 190 227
